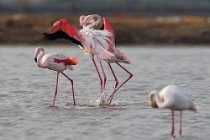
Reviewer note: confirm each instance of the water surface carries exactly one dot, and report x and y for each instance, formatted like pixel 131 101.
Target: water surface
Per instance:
pixel 26 92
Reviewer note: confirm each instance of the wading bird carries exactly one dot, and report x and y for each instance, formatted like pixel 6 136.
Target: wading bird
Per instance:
pixel 93 42
pixel 56 62
pixel 94 21
pixel 174 98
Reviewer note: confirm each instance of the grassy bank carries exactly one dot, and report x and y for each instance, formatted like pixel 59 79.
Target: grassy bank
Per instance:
pixel 188 30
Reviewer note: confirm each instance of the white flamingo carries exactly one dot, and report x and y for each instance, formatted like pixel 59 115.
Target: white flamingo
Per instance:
pixel 56 62
pixel 174 98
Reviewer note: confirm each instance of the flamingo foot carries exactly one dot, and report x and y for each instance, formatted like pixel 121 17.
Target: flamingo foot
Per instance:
pixel 52 106
pixel 102 100
pixel 172 133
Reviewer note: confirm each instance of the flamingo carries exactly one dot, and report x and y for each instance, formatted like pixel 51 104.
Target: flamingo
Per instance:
pixel 174 98
pixel 92 42
pixel 56 62
pixel 89 21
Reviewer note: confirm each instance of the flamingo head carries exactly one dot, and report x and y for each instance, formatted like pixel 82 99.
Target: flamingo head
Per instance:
pixel 37 51
pixel 91 19
pixel 152 101
pixel 35 59
pixel 85 21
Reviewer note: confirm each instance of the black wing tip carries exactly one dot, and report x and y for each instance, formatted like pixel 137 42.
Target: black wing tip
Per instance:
pixel 60 35
pixel 45 36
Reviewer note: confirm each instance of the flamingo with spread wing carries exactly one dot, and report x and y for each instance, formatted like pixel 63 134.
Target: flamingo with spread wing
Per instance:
pixel 93 42
pixel 94 21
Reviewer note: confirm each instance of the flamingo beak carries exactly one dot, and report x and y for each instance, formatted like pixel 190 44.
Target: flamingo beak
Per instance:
pixel 35 59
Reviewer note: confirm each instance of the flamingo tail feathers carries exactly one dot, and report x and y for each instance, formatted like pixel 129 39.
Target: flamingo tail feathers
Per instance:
pixel 105 55
pixel 73 60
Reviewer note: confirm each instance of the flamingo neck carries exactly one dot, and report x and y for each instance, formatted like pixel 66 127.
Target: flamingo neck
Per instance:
pixel 81 18
pixel 155 100
pixel 41 53
pixel 96 23
pixel 158 100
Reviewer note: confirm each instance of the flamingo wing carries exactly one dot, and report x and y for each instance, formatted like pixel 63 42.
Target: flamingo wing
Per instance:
pixel 60 35
pixel 107 26
pixel 63 29
pixel 59 62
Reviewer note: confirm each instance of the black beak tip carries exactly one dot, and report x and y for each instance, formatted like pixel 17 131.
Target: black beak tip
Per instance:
pixel 35 59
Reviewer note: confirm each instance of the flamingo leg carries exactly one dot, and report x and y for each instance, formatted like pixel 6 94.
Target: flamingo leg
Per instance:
pixel 72 85
pixel 101 81
pixel 172 123
pixel 56 89
pixel 116 89
pixel 180 129
pixel 115 77
pixel 104 76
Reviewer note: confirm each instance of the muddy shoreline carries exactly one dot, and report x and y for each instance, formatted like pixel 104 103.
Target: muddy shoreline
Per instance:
pixel 184 30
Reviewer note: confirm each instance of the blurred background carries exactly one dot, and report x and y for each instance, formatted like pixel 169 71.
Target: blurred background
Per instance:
pixel 185 22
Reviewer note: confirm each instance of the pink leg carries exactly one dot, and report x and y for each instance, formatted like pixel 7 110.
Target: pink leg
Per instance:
pixel 172 125
pixel 101 81
pixel 180 129
pixel 72 85
pixel 115 77
pixel 104 76
pixel 116 89
pixel 56 89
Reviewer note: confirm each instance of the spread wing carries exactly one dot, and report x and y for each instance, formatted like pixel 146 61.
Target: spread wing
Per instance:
pixel 60 35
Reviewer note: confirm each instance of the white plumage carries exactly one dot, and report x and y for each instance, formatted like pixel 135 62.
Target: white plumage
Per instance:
pixel 96 43
pixel 174 98
pixel 56 62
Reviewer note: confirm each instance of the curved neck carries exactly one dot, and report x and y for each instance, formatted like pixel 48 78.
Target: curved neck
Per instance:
pixel 81 19
pixel 95 23
pixel 40 54
pixel 158 100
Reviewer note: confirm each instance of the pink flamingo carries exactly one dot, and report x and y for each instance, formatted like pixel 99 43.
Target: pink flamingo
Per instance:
pixel 56 62
pixel 174 98
pixel 93 42
pixel 94 21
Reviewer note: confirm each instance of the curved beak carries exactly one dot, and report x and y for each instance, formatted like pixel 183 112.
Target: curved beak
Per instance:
pixel 35 59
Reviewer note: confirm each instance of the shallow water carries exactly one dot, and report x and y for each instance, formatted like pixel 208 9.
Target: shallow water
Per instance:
pixel 26 92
